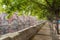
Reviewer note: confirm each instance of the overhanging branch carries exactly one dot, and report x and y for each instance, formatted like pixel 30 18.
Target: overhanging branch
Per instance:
pixel 53 5
pixel 41 5
pixel 48 3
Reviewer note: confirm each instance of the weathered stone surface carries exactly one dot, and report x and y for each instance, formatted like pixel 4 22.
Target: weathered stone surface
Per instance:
pixel 24 34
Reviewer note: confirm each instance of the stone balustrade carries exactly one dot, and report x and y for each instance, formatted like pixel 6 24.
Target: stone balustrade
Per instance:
pixel 24 34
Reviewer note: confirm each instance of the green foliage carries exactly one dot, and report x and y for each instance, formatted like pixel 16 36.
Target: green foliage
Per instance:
pixel 40 8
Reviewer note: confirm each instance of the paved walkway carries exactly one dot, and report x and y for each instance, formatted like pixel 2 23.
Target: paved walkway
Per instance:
pixel 44 34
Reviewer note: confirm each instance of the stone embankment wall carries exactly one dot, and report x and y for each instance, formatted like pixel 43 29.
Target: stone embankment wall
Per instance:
pixel 24 34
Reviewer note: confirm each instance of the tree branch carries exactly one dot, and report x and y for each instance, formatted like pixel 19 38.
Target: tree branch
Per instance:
pixel 53 4
pixel 40 5
pixel 48 3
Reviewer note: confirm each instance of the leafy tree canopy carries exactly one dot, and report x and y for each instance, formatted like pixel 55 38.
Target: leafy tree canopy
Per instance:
pixel 41 8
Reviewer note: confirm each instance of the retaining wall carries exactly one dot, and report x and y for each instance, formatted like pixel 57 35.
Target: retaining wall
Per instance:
pixel 24 34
